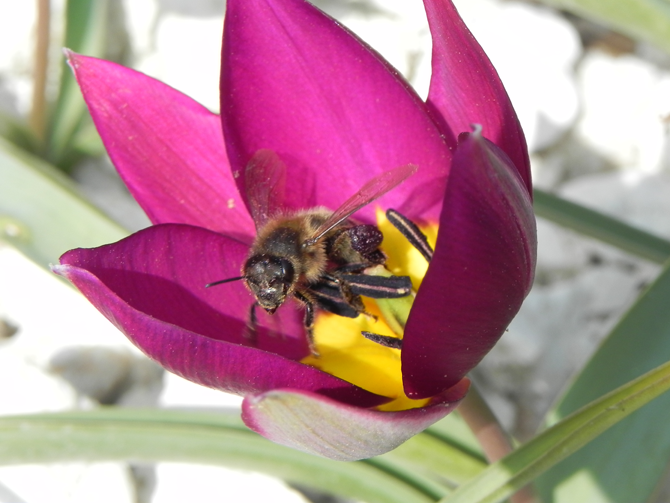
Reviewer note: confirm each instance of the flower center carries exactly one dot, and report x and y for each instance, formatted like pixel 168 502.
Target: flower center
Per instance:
pixel 346 354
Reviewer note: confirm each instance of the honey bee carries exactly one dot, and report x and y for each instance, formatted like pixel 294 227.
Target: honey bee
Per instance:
pixel 316 256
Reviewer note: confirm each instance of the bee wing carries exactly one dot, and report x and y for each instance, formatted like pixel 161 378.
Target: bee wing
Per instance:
pixel 372 190
pixel 265 181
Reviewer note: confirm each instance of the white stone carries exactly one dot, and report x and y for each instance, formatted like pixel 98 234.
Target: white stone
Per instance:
pixel 561 252
pixel 178 483
pixel 178 392
pixel 640 199
pixel 534 50
pixel 397 29
pixel 626 106
pixel 187 56
pixel 66 483
pixel 49 313
pixel 17 28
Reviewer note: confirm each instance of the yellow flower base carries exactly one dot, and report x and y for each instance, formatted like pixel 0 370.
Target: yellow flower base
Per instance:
pixel 346 354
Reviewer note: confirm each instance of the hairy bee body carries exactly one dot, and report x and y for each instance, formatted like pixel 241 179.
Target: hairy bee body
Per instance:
pixel 284 262
pixel 284 237
pixel 316 256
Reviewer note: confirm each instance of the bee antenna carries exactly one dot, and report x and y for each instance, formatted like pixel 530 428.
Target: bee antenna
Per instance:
pixel 224 281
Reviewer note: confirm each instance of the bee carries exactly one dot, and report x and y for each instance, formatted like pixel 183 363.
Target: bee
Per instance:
pixel 316 256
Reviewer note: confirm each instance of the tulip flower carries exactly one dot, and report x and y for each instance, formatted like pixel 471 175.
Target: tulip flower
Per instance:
pixel 297 83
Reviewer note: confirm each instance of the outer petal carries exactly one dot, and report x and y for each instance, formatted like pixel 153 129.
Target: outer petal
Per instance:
pixel 465 88
pixel 197 335
pixel 481 271
pixel 167 148
pixel 162 272
pixel 295 82
pixel 321 426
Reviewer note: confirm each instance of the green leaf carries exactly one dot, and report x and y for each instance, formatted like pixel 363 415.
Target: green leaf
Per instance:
pixel 599 226
pixel 647 20
pixel 86 32
pixel 202 437
pixel 625 464
pixel 501 479
pixel 41 212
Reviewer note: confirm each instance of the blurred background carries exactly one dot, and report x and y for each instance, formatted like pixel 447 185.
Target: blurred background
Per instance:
pixel 594 102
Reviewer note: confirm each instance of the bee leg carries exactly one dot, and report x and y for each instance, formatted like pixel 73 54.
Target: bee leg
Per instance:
pixel 309 321
pixel 353 299
pixel 411 232
pixel 383 340
pixel 250 332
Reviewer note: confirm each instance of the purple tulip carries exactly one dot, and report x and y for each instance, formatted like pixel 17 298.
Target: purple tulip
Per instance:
pixel 296 82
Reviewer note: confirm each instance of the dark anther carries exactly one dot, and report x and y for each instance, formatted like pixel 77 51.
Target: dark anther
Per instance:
pixel 383 340
pixel 411 232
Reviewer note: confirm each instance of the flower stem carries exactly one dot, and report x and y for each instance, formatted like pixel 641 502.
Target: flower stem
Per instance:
pixel 39 106
pixel 491 436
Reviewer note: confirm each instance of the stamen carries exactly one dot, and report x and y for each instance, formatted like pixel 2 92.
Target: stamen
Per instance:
pixel 383 340
pixel 378 287
pixel 411 232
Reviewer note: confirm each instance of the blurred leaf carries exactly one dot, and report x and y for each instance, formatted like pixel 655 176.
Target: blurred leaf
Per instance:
pixel 599 226
pixel 425 455
pixel 454 431
pixel 647 20
pixel 624 464
pixel 501 479
pixel 199 437
pixel 87 23
pixel 41 212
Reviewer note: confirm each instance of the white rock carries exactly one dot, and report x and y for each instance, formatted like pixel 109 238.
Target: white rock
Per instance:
pixel 187 56
pixel 178 392
pixel 640 199
pixel 397 29
pixel 534 50
pixel 210 484
pixel 626 102
pixel 49 313
pixel 537 75
pixel 16 56
pixel 561 252
pixel 67 483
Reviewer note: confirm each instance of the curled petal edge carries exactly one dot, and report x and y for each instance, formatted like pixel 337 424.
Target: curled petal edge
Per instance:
pixel 482 269
pixel 225 366
pixel 318 425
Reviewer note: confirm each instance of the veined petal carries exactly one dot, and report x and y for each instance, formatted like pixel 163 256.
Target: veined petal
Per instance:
pixel 158 300
pixel 296 82
pixel 321 426
pixel 465 88
pixel 481 271
pixel 167 148
pixel 162 271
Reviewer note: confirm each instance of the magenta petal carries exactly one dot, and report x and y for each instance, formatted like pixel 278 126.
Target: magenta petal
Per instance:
pixel 167 148
pixel 481 271
pixel 296 82
pixel 162 272
pixel 465 88
pixel 152 301
pixel 318 425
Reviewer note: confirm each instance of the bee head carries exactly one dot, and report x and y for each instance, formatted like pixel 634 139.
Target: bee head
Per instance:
pixel 269 278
